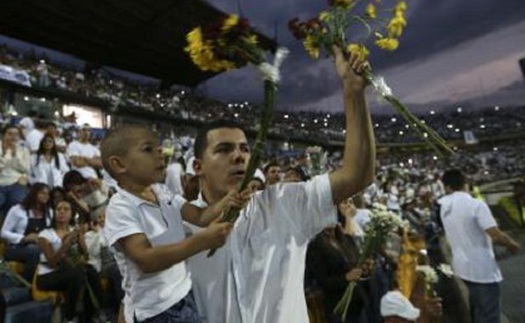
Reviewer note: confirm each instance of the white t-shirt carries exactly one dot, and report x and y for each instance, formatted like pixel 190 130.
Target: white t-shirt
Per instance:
pixel 147 295
pixel 47 172
pixel 33 139
pixel 258 275
pixel 55 241
pixel 79 149
pixel 174 173
pixel 465 220
pixel 28 125
pixel 94 244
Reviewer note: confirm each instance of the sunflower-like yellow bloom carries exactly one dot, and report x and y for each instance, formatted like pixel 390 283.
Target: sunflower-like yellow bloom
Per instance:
pixel 311 46
pixel 371 11
pixel 396 26
pixel 387 43
pixel 358 49
pixel 324 16
pixel 229 23
pixel 401 7
pixel 201 53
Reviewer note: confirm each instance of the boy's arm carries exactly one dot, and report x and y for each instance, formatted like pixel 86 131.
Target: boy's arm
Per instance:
pixel 154 259
pixel 202 217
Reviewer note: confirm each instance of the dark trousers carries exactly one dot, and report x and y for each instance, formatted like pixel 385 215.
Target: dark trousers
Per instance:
pixel 72 280
pixel 29 254
pixel 11 195
pixel 184 311
pixel 484 302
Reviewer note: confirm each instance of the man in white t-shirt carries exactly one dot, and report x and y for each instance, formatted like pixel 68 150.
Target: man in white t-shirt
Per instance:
pixel 470 229
pixel 84 157
pixel 257 277
pixel 34 137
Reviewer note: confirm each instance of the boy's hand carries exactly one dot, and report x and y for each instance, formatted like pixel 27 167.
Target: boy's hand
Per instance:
pixel 354 274
pixel 215 235
pixel 350 70
pixel 234 200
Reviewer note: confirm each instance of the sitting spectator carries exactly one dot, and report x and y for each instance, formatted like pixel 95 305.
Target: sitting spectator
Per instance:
pixel 22 225
pixel 103 260
pixel 84 157
pixel 62 267
pixel 87 195
pixel 14 169
pixel 48 165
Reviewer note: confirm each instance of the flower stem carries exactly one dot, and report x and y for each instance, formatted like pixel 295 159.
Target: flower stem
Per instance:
pixel 270 90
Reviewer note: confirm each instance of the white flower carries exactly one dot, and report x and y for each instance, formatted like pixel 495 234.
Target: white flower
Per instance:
pixel 429 272
pixel 446 270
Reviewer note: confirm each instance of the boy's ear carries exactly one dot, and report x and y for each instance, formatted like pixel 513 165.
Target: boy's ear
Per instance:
pixel 197 166
pixel 116 165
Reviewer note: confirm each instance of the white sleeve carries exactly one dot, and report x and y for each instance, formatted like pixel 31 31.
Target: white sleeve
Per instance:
pixel 8 229
pixel 64 168
pixel 310 207
pixel 96 152
pixel 484 216
pixel 122 220
pixel 72 150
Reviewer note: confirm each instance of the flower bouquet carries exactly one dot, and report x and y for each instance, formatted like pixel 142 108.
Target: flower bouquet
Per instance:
pixel 232 43
pixel 432 277
pixel 317 160
pixel 382 222
pixel 330 27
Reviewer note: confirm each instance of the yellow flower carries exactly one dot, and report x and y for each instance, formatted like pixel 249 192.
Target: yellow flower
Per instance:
pixel 360 50
pixel 396 26
pixel 387 43
pixel 230 22
pixel 401 6
pixel 324 16
pixel 252 39
pixel 371 11
pixel 201 53
pixel 311 46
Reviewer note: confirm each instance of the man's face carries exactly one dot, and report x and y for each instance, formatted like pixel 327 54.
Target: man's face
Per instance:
pixel 224 160
pixel 83 134
pixel 274 175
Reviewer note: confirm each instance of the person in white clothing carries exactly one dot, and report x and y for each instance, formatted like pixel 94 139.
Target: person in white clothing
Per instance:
pixel 144 228
pixel 34 137
pixel 470 229
pixel 14 169
pixel 362 214
pixel 48 165
pixel 84 156
pixel 21 227
pixel 257 277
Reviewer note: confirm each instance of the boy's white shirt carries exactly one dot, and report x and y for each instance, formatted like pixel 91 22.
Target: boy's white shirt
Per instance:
pixel 147 295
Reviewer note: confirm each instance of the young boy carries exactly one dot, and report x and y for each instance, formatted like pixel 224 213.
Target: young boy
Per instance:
pixel 144 227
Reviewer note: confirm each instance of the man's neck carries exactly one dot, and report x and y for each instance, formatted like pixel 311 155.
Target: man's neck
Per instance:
pixel 210 198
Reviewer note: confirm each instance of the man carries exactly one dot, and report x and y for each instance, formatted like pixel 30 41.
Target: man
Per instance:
pixel 272 172
pixel 84 157
pixel 469 228
pixel 258 275
pixel 33 138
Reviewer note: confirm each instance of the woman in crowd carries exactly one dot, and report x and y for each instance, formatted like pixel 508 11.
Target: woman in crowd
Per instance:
pixel 14 169
pixel 48 165
pixel 62 267
pixel 22 225
pixel 333 262
pixel 87 195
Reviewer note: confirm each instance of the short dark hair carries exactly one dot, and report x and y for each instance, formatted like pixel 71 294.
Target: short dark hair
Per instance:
pixel 454 179
pixel 117 141
pixel 201 141
pixel 270 165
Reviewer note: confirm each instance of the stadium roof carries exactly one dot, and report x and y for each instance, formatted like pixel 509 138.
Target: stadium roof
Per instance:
pixel 140 36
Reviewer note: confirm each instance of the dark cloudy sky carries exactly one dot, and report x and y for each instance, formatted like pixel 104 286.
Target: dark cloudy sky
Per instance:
pixel 453 52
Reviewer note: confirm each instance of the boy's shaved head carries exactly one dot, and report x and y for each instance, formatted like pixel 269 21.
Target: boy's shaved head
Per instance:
pixel 118 140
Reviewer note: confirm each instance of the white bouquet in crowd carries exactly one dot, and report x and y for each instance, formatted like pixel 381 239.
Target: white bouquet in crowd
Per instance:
pixel 382 223
pixel 432 277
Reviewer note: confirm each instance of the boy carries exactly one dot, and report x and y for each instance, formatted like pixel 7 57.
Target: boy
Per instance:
pixel 144 227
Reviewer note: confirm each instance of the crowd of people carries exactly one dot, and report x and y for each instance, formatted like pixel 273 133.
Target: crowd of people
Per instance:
pixel 187 104
pixel 74 213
